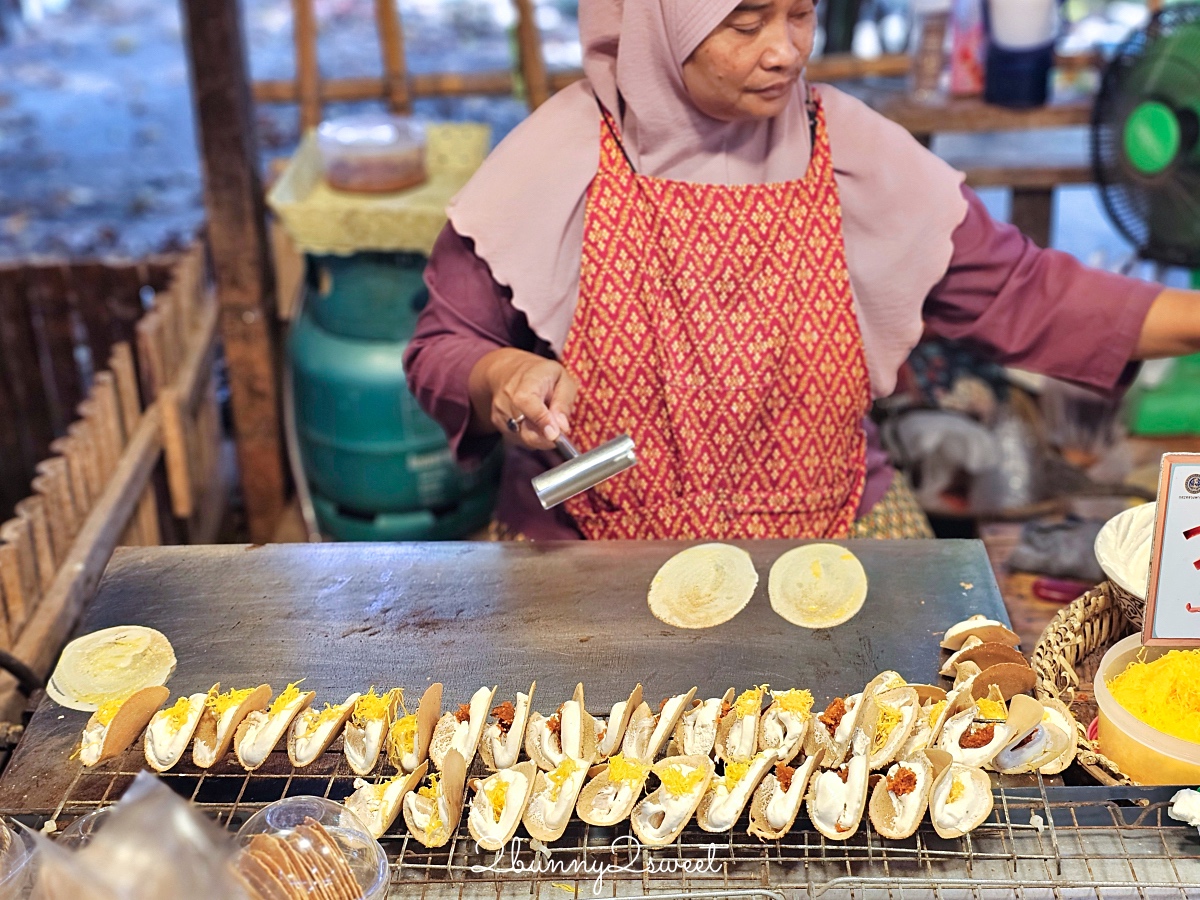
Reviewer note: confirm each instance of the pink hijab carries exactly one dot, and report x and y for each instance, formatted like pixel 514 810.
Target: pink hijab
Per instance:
pixel 524 209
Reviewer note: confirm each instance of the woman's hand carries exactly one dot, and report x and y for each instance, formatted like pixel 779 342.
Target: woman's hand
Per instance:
pixel 509 383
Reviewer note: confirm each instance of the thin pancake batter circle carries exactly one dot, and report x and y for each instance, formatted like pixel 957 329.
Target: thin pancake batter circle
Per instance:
pixel 817 585
pixel 703 586
pixel 110 664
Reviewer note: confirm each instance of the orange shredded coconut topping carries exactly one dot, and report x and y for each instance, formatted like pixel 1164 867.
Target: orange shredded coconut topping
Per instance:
pixel 1164 694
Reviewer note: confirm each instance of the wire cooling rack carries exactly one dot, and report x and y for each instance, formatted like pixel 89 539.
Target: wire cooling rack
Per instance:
pixel 1044 841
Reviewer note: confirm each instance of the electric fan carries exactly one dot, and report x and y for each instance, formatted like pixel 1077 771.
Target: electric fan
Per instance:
pixel 1146 160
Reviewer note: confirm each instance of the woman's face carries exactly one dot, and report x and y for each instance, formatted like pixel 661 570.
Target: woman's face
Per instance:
pixel 748 66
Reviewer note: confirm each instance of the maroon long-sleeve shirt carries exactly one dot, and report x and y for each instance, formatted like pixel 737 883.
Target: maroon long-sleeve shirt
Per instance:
pixel 1018 304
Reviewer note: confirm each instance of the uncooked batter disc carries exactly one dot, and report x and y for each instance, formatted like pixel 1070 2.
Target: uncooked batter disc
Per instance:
pixel 703 586
pixel 817 585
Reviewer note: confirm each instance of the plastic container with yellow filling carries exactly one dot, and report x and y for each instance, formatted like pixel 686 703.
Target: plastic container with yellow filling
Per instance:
pixel 1145 754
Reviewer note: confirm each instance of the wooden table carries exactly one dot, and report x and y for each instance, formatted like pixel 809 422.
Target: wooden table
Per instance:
pixel 346 616
pixel 1032 170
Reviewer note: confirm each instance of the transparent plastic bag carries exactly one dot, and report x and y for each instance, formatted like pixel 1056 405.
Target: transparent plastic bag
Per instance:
pixel 153 845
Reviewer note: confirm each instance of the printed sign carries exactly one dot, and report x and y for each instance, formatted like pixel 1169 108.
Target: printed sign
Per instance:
pixel 1173 598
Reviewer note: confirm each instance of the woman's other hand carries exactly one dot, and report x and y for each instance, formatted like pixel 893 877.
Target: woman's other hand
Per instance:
pixel 508 384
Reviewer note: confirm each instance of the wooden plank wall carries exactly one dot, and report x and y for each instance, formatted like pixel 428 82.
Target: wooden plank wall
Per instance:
pixel 110 379
pixel 58 325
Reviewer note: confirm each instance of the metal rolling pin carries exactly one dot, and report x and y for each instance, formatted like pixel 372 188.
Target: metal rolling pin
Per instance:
pixel 583 471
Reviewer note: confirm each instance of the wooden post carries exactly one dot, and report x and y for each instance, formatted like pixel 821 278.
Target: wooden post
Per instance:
pixel 1033 213
pixel 391 42
pixel 533 62
pixel 308 75
pixel 241 262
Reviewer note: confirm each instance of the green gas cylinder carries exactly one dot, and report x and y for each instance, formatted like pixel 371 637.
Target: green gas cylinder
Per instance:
pixel 378 467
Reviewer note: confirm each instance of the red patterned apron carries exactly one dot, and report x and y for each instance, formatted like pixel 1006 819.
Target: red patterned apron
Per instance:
pixel 716 326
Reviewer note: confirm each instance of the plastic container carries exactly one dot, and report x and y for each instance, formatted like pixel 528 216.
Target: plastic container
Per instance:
pixel 372 153
pixel 79 833
pixel 17 867
pixel 1145 754
pixel 366 857
pixel 931 26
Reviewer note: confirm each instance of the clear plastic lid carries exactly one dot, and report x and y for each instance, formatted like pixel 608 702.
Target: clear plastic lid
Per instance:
pixel 370 133
pixel 329 840
pixel 80 832
pixel 17 850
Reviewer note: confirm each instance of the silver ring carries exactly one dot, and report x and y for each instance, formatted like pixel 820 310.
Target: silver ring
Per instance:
pixel 514 422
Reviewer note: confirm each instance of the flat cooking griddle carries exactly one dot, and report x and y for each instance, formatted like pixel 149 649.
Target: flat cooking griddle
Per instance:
pixel 347 616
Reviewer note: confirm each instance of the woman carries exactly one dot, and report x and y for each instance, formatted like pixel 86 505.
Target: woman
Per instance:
pixel 695 247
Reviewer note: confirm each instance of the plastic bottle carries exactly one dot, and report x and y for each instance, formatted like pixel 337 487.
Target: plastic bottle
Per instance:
pixel 931 23
pixel 968 46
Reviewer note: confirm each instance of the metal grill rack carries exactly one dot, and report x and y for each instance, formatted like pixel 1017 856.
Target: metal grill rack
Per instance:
pixel 1041 842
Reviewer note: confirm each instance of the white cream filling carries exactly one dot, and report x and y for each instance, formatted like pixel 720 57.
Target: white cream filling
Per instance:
pixel 506 746
pixel 666 722
pixel 548 741
pixel 92 743
pixel 700 727
pixel 783 804
pixel 958 815
pixel 728 803
pixel 614 797
pixel 553 805
pixel 742 739
pixel 607 742
pixel 376 804
pixel 263 731
pixel 975 757
pixel 636 742
pixel 363 743
pixel 570 725
pixel 309 743
pixel 910 805
pixel 166 744
pixel 483 814
pixel 205 753
pixel 918 740
pixel 422 813
pixel 837 805
pixel 668 810
pixel 841 735
pixel 1185 806
pixel 782 730
pixel 466 734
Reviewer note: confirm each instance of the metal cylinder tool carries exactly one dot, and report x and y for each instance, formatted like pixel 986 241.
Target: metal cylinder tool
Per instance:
pixel 583 471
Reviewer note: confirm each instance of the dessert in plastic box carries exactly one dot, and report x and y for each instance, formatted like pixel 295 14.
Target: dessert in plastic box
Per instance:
pixel 372 153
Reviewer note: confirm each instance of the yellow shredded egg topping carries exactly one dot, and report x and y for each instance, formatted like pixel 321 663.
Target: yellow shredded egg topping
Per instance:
pixel 325 716
pixel 559 776
pixel 677 782
pixel 991 709
pixel 957 788
pixel 402 739
pixel 750 702
pixel 219 704
pixel 734 772
pixel 1164 694
pixel 797 702
pixel 108 711
pixel 627 771
pixel 177 715
pixel 935 711
pixel 497 794
pixel 889 718
pixel 434 825
pixel 371 706
pixel 289 695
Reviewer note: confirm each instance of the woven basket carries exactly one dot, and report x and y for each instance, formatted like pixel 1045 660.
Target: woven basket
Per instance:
pixel 1133 608
pixel 1065 659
